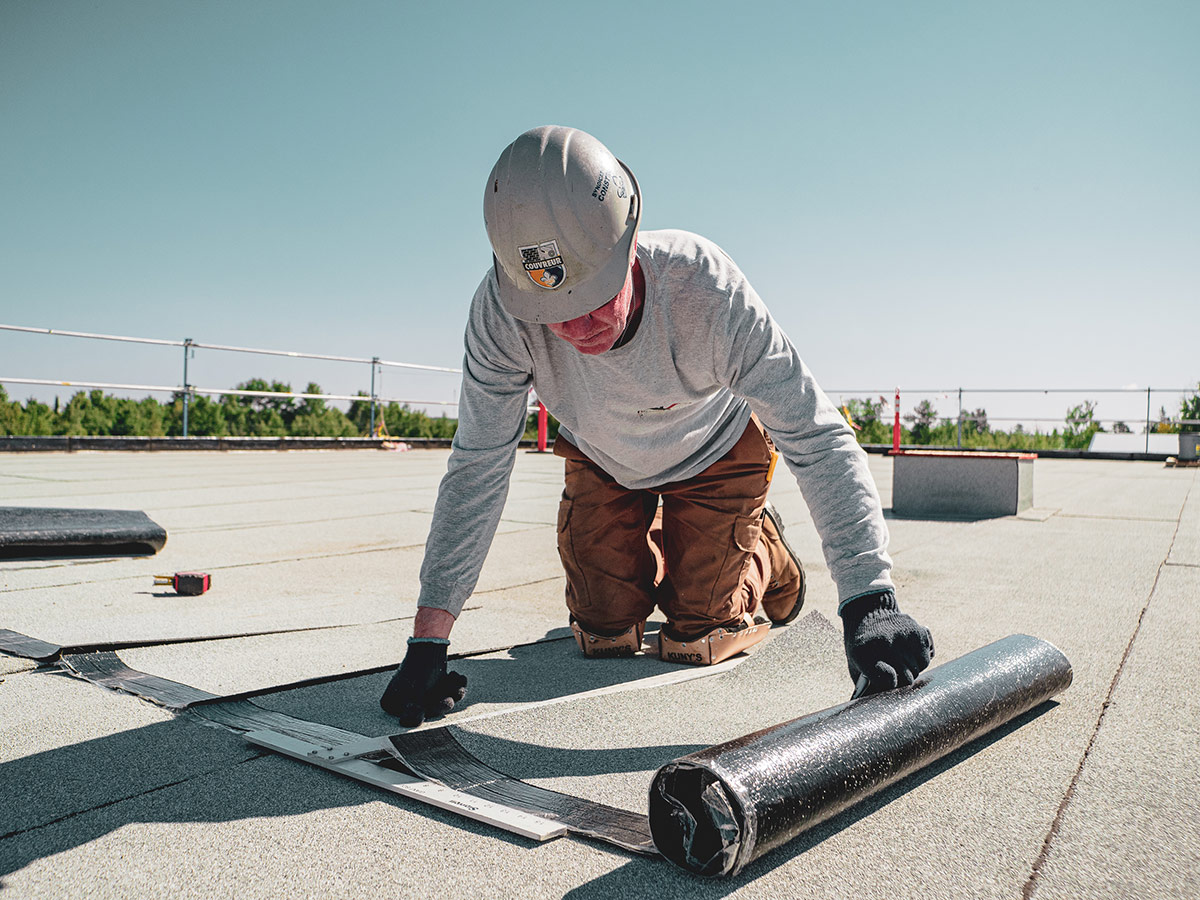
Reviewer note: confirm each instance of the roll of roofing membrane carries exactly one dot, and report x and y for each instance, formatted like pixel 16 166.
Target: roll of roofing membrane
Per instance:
pixel 714 811
pixel 47 531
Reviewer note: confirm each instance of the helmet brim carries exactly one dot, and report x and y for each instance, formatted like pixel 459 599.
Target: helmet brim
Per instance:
pixel 529 302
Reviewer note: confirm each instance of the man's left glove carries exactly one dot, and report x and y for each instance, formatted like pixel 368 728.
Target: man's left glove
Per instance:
pixel 883 644
pixel 421 686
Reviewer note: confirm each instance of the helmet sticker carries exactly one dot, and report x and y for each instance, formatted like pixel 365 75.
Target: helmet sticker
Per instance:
pixel 609 181
pixel 543 264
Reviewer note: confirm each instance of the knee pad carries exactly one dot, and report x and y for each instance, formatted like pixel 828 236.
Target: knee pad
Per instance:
pixel 714 646
pixel 627 643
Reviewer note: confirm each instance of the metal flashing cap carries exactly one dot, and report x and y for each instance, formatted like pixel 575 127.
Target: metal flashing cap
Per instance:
pixel 562 215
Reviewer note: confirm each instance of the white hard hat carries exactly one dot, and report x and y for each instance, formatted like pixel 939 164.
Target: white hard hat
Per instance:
pixel 562 214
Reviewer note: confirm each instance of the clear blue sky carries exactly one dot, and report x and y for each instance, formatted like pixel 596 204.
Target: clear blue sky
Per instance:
pixel 927 194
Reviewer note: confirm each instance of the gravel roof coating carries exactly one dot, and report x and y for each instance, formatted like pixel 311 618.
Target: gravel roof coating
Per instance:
pixel 103 794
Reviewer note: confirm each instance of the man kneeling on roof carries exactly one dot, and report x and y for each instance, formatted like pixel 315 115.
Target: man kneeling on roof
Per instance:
pixel 676 391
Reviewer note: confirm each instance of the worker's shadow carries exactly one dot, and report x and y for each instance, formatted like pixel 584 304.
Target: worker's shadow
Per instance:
pixel 177 771
pixel 554 667
pixel 180 771
pixel 531 673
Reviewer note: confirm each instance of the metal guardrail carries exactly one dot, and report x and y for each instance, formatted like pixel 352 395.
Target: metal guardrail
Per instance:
pixel 232 392
pixel 376 363
pixel 188 390
pixel 963 417
pixel 188 342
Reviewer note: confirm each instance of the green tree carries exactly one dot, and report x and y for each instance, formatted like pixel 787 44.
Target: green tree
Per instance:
pixel 39 418
pixel 97 413
pixel 867 415
pixel 87 412
pixel 259 416
pixel 315 419
pixel 976 422
pixel 922 418
pixel 206 418
pixel 359 414
pixel 403 421
pixel 1189 408
pixel 531 428
pixel 12 416
pixel 1081 426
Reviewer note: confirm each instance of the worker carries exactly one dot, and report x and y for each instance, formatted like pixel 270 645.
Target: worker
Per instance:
pixel 676 391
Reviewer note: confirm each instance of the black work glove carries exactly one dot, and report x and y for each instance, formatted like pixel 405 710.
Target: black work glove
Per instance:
pixel 883 644
pixel 421 686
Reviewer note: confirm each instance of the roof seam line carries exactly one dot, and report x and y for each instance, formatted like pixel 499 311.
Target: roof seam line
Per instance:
pixel 1060 813
pixel 146 793
pixel 1031 884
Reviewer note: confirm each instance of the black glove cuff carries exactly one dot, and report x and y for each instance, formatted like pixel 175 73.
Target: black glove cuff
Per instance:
pixel 426 654
pixel 860 607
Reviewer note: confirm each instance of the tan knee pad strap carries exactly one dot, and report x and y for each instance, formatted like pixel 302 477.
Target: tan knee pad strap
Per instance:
pixel 715 646
pixel 627 643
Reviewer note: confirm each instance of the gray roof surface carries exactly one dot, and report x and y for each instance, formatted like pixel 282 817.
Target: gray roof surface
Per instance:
pixel 314 557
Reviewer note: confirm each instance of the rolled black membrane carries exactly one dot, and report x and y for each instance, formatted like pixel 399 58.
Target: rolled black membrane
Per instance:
pixel 46 531
pixel 714 811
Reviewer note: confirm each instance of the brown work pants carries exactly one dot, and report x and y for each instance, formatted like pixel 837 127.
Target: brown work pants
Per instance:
pixel 700 557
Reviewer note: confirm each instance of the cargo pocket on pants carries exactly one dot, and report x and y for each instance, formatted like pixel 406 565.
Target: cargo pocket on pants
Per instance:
pixel 746 532
pixel 727 596
pixel 576 595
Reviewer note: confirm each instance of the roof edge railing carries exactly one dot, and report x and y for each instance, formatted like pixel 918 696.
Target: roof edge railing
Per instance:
pixel 187 390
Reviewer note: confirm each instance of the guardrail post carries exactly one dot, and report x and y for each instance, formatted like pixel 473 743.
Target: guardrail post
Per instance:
pixel 374 363
pixel 1147 419
pixel 960 418
pixel 187 388
pixel 543 427
pixel 896 425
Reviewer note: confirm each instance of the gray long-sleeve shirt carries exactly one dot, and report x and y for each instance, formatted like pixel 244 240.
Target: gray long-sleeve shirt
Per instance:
pixel 659 409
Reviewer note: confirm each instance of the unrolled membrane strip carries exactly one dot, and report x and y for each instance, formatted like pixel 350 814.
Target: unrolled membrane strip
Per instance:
pixel 436 755
pixel 16 644
pixel 235 713
pixel 714 811
pixel 243 716
pixel 109 670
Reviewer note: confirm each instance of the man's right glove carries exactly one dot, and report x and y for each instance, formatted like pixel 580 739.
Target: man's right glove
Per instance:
pixel 421 686
pixel 883 644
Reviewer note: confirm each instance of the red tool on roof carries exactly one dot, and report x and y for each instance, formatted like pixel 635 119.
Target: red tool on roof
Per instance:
pixel 190 583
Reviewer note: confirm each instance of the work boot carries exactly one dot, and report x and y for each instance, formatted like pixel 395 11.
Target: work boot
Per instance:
pixel 713 646
pixel 785 592
pixel 599 644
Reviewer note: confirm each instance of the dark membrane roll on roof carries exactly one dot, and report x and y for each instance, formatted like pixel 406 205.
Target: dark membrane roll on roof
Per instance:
pixel 714 811
pixel 45 531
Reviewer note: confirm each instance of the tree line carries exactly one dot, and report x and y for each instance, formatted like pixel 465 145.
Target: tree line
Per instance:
pixel 925 427
pixel 97 413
